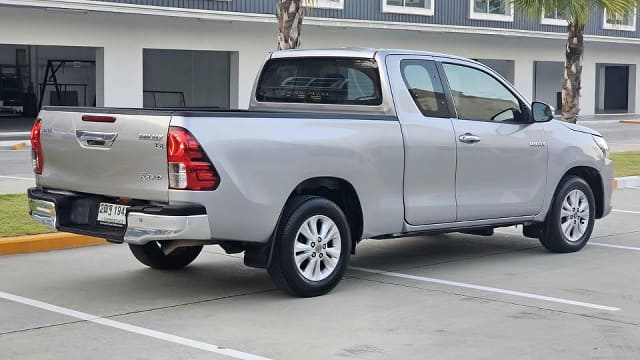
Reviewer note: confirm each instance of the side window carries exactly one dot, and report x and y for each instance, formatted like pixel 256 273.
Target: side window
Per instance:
pixel 479 96
pixel 424 85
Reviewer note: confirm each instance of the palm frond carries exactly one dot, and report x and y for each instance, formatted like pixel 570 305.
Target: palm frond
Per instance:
pixel 577 12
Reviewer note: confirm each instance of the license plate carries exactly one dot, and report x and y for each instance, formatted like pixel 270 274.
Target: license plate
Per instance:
pixel 112 214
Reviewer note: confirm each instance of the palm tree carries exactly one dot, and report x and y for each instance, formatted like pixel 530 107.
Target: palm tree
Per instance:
pixel 577 13
pixel 290 14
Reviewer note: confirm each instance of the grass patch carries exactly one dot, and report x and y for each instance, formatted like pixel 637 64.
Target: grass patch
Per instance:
pixel 15 219
pixel 626 163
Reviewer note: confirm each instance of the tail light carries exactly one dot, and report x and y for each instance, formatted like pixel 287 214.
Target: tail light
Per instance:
pixel 189 166
pixel 36 148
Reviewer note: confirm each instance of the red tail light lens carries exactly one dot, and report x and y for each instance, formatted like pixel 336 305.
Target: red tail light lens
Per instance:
pixel 189 166
pixel 37 160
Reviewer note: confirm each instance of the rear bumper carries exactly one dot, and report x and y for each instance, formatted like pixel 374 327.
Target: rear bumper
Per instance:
pixel 77 214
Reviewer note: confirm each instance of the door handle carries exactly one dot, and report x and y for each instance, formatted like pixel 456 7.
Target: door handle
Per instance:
pixel 469 138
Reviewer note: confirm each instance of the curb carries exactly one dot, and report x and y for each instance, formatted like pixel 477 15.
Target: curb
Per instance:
pixel 626 182
pixel 637 122
pixel 13 145
pixel 46 242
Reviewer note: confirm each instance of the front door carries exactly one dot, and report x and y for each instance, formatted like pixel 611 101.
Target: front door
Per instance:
pixel 501 155
pixel 430 147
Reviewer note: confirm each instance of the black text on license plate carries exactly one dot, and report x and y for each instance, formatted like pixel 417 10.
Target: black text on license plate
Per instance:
pixel 112 214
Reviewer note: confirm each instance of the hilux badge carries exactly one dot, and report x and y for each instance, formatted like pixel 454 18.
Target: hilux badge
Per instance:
pixel 150 137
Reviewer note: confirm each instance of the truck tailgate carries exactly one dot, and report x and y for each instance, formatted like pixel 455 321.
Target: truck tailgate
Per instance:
pixel 120 155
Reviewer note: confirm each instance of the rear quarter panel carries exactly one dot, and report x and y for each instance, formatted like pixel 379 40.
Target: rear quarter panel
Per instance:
pixel 261 160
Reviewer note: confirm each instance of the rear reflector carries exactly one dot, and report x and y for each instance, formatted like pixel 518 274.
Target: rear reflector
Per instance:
pixel 97 118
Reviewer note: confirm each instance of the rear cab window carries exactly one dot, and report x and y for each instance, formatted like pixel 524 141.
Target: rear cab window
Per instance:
pixel 340 81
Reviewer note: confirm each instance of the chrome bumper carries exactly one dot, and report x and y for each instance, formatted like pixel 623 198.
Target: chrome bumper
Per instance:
pixel 43 212
pixel 145 223
pixel 143 228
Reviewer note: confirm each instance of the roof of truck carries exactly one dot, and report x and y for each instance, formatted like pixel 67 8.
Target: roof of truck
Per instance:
pixel 355 52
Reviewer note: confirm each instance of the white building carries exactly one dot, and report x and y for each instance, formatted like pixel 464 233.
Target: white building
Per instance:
pixel 207 52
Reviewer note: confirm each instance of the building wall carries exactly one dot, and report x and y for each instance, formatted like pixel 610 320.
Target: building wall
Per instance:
pixel 447 12
pixel 121 39
pixel 548 81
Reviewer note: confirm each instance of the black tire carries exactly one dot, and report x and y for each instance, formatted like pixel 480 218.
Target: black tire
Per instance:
pixel 151 255
pixel 551 235
pixel 283 268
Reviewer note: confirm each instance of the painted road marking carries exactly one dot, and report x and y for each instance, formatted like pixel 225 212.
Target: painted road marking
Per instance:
pixel 589 243
pixel 615 246
pixel 15 178
pixel 625 211
pixel 487 288
pixel 131 328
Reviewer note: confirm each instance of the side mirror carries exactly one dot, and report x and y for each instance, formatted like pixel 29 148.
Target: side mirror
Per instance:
pixel 541 112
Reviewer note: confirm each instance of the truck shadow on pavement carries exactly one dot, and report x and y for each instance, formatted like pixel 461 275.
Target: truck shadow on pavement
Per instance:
pixel 215 275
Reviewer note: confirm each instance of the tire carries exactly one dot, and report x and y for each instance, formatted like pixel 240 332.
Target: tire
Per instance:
pixel 315 267
pixel 568 229
pixel 151 255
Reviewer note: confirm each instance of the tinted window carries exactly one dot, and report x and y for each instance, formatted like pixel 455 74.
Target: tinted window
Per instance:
pixel 425 87
pixel 320 81
pixel 479 96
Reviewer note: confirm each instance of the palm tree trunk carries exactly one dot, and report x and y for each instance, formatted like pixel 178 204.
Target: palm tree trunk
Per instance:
pixel 290 14
pixel 572 82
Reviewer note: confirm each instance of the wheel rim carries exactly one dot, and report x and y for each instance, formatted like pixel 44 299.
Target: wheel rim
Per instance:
pixel 574 215
pixel 317 248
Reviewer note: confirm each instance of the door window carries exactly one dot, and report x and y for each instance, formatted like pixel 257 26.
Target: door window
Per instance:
pixel 479 96
pixel 424 85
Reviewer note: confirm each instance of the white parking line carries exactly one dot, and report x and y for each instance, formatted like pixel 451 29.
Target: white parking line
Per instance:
pixel 131 328
pixel 486 288
pixel 625 211
pixel 615 246
pixel 15 178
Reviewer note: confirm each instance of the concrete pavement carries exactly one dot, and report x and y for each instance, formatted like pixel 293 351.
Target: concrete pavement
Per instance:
pixel 141 313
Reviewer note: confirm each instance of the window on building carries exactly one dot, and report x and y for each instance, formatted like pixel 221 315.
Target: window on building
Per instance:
pixel 479 96
pixel 553 17
pixel 424 85
pixel 320 81
pixel 328 4
pixel 625 22
pixel 497 10
pixel 419 7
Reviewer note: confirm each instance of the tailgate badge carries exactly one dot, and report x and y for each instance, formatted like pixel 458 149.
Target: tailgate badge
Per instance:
pixel 150 137
pixel 145 176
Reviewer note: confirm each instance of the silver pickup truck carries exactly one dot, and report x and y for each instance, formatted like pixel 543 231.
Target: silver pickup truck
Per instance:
pixel 338 146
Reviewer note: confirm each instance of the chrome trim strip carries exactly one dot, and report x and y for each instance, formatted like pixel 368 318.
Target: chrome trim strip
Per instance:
pixel 143 228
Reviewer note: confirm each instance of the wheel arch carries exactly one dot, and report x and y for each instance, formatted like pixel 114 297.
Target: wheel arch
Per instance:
pixel 341 192
pixel 594 179
pixel 338 190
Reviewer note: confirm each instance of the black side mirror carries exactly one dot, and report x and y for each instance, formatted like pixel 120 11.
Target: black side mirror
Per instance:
pixel 541 112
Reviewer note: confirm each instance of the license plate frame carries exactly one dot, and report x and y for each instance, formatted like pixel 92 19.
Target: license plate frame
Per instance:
pixel 112 214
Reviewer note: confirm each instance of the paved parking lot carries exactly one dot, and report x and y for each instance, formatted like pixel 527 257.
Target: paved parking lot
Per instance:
pixel 447 297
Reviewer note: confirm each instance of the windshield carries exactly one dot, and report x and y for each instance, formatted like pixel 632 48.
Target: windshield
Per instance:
pixel 320 81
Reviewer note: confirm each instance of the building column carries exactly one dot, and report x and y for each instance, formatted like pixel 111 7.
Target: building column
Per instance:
pixel 524 77
pixel 119 76
pixel 245 68
pixel 588 92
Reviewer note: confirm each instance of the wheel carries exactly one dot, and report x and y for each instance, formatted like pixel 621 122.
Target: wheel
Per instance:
pixel 312 247
pixel 152 255
pixel 570 221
